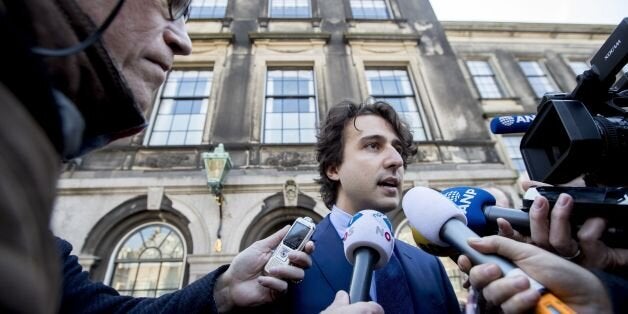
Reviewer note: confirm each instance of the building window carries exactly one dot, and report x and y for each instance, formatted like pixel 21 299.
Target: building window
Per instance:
pixel 182 109
pixel 484 79
pixel 149 262
pixel 369 9
pixel 290 107
pixel 578 67
pixel 394 87
pixel 290 8
pixel 511 144
pixel 208 9
pixel 537 78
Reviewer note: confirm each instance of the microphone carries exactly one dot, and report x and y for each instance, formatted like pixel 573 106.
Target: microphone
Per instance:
pixel 511 124
pixel 478 206
pixel 442 223
pixel 368 244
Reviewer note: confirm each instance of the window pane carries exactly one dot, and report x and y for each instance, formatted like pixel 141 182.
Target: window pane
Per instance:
pixel 273 121
pixel 291 121
pixel 369 9
pixel 290 8
pixel 272 136
pixel 208 9
pixel 176 138
pixel 158 138
pixel 162 123
pixel 194 138
pixel 578 67
pixel 308 136
pixel 290 136
pixel 196 122
pixel 539 80
pixel 170 276
pixel 124 277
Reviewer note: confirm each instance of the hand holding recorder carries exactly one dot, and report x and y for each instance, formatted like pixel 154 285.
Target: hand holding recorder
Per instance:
pixel 295 240
pixel 245 284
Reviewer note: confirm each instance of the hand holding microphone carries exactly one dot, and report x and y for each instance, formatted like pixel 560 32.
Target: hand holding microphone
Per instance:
pixel 574 285
pixel 368 244
pixel 442 223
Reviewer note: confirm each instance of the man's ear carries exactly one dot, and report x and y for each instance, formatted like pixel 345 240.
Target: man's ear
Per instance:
pixel 332 173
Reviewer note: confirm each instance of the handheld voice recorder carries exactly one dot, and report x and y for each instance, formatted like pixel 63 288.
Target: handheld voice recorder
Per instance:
pixel 295 240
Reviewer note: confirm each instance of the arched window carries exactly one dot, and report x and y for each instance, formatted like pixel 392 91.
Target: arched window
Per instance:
pixel 148 262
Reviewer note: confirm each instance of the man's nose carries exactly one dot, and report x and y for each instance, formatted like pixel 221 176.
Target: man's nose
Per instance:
pixel 177 38
pixel 393 158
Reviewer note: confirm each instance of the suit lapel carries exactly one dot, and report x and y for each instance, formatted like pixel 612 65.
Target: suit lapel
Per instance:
pixel 329 256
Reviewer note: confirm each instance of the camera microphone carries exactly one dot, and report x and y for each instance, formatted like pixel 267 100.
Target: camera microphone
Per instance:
pixel 368 245
pixel 442 223
pixel 511 124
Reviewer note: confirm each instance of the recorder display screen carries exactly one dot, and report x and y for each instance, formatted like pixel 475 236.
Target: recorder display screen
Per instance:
pixel 296 235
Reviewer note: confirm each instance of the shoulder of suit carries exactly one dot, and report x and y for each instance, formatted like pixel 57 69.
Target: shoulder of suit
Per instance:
pixel 412 251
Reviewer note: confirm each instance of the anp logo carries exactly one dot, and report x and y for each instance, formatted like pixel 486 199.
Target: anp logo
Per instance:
pixel 453 196
pixel 507 120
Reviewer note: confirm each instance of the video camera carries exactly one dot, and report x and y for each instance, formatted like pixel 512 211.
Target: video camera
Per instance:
pixel 586 131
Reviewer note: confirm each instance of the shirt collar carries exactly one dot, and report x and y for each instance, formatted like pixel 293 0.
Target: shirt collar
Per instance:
pixel 339 219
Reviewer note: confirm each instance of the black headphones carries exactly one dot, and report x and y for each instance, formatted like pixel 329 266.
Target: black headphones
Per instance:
pixel 90 40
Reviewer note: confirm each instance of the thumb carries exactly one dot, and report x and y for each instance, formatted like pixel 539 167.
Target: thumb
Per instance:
pixel 274 239
pixel 508 248
pixel 342 298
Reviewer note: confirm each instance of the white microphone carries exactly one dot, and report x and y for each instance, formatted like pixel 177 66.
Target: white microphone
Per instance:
pixel 368 243
pixel 441 222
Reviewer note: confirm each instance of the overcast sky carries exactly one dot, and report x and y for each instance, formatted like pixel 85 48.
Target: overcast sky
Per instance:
pixel 536 11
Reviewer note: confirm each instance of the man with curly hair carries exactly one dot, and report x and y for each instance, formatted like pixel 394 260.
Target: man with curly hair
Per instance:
pixel 362 152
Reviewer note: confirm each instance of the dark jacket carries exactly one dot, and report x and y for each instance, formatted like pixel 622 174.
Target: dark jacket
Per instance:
pixel 51 108
pixel 80 295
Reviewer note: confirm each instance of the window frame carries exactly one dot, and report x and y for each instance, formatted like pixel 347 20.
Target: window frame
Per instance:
pixel 545 71
pixel 389 12
pixel 501 90
pixel 158 103
pixel 271 67
pixel 309 17
pixel 212 17
pixel 109 275
pixel 415 95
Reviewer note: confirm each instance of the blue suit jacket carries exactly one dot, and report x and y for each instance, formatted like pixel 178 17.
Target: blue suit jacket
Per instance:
pixel 429 286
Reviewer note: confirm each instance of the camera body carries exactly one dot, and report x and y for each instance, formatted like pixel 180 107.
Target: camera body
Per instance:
pixel 300 232
pixel 586 131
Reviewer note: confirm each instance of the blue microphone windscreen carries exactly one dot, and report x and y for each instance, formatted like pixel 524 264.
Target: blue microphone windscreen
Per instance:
pixel 511 124
pixel 471 201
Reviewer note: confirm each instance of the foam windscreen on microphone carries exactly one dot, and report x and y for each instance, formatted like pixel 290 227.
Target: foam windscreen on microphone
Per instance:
pixel 511 124
pixel 471 201
pixel 428 210
pixel 369 228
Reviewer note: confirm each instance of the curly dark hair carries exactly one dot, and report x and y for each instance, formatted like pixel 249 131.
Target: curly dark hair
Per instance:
pixel 330 144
